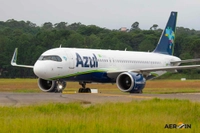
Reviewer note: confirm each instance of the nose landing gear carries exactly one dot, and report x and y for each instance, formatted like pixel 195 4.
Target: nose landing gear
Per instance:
pixel 60 86
pixel 83 89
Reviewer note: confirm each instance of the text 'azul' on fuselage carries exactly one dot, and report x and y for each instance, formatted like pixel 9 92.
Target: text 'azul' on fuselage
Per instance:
pixel 86 61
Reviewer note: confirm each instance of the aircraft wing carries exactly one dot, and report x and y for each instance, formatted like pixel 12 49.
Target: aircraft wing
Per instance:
pixel 148 70
pixel 186 61
pixel 169 68
pixel 14 60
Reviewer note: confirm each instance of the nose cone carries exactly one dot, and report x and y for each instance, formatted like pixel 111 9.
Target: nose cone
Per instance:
pixel 40 70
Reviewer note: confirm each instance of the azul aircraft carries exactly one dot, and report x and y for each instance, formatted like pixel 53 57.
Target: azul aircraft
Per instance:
pixel 128 69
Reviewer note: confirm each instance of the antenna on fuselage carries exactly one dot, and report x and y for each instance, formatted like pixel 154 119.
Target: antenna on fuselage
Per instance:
pixel 60 45
pixel 125 49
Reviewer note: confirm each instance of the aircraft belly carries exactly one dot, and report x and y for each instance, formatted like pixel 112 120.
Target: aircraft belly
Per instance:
pixel 91 77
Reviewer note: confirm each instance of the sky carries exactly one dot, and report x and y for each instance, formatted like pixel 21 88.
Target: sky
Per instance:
pixel 110 14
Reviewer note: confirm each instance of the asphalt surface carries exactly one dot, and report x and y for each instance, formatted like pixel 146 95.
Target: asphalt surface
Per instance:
pixel 19 99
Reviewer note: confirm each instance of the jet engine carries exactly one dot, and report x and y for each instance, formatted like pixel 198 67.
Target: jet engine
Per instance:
pixel 130 82
pixel 47 85
pixel 51 85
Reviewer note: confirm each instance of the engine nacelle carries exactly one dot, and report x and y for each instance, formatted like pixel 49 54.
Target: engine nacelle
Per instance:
pixel 47 85
pixel 130 82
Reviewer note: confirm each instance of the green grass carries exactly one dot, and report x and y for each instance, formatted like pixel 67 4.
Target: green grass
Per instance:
pixel 17 80
pixel 134 117
pixel 169 91
pixel 171 76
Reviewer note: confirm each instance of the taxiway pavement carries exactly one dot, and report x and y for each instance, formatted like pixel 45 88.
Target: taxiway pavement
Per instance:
pixel 19 99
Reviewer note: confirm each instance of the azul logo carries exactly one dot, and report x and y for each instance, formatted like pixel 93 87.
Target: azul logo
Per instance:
pixel 86 61
pixel 180 125
pixel 171 36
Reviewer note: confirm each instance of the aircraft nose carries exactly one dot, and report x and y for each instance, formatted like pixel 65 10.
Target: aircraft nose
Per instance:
pixel 39 70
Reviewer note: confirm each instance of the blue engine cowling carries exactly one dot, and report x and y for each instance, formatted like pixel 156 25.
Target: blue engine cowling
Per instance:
pixel 130 82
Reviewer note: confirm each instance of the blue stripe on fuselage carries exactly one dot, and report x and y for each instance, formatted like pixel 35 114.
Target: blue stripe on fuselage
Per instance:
pixel 92 77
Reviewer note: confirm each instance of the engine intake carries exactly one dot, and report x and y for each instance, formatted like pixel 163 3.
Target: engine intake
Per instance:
pixel 47 85
pixel 130 82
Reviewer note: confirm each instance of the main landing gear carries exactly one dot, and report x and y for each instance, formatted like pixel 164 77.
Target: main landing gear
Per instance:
pixel 83 89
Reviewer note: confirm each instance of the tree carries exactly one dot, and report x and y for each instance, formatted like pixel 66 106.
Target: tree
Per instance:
pixel 91 29
pixel 136 39
pixel 47 26
pixel 196 48
pixel 146 45
pixel 29 23
pixel 74 26
pixel 61 25
pixel 92 41
pixel 155 26
pixel 75 40
pixel 135 26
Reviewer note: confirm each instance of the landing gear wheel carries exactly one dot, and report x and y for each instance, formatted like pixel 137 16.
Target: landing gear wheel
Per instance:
pixel 80 90
pixel 60 86
pixel 83 89
pixel 139 92
pixel 136 92
pixel 88 90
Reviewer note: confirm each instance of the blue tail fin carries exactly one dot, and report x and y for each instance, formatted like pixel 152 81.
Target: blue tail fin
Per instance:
pixel 166 42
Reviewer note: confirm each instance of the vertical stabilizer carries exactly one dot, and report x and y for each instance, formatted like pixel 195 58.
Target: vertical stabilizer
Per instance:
pixel 166 42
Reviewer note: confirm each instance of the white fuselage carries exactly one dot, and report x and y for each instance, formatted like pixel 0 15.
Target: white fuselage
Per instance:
pixel 82 61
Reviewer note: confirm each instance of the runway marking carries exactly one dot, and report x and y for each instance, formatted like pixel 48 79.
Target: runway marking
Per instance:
pixel 69 92
pixel 129 96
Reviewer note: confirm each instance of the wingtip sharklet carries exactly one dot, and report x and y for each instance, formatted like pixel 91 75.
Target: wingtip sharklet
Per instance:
pixel 14 60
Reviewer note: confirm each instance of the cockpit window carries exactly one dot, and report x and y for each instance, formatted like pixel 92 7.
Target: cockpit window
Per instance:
pixel 51 57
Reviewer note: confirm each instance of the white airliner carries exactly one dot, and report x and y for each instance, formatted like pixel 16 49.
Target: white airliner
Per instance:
pixel 128 69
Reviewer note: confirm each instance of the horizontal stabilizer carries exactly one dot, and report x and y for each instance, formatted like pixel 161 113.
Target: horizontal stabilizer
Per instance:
pixel 186 61
pixel 14 60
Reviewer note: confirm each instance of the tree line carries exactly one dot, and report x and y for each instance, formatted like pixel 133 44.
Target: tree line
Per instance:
pixel 32 40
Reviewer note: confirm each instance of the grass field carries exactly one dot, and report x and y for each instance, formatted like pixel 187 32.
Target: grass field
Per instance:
pixel 135 117
pixel 148 116
pixel 154 86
